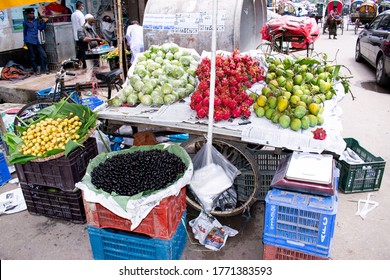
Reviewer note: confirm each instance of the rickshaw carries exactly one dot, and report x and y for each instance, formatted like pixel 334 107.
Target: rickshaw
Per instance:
pixel 354 12
pixel 383 6
pixel 286 8
pixel 367 12
pixel 320 13
pixel 336 6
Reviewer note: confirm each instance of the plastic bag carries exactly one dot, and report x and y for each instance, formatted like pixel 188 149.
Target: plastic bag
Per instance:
pixel 213 174
pixel 209 231
pixel 102 142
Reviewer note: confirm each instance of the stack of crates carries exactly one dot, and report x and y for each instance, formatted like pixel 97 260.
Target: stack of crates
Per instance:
pixel 49 186
pixel 299 225
pixel 160 236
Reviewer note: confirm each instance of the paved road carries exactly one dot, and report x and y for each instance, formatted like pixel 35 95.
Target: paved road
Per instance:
pixel 367 120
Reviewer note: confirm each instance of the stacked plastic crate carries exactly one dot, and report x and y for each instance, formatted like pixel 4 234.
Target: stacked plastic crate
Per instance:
pixel 300 214
pixel 160 236
pixel 49 186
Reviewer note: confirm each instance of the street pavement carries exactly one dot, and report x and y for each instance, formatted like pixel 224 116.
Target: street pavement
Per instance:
pixel 366 119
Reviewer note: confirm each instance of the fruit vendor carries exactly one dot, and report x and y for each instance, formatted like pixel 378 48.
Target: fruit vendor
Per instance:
pixel 90 39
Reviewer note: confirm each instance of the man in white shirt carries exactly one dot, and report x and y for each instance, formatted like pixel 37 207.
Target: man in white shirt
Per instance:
pixel 135 39
pixel 78 21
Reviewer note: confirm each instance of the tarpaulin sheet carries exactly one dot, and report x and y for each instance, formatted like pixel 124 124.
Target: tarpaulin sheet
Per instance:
pixel 293 26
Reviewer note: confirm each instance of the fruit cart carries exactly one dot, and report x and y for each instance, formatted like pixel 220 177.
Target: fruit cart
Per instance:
pixel 255 151
pixel 252 142
pixel 367 12
pixel 354 12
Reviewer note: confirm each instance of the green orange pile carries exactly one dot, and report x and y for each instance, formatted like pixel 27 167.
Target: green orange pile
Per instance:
pixel 295 91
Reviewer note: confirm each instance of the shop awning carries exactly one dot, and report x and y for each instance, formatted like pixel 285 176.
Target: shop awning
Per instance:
pixel 6 4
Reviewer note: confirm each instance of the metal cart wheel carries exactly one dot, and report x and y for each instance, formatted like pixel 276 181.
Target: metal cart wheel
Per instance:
pixel 245 184
pixel 29 113
pixel 268 47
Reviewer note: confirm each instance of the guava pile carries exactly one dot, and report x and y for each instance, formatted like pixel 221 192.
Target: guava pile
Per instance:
pixel 162 75
pixel 295 91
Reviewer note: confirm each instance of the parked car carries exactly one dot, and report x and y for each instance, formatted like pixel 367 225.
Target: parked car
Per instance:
pixel 373 45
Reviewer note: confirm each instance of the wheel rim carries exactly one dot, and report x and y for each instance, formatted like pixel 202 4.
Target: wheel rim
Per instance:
pixel 379 70
pixel 243 162
pixel 357 51
pixel 29 113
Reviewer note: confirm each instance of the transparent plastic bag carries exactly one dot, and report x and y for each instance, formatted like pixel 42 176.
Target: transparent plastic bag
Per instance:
pixel 213 174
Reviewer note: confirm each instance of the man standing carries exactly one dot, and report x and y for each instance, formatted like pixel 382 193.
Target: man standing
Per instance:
pixel 89 40
pixel 30 36
pixel 78 21
pixel 135 39
pixel 332 23
pixel 108 30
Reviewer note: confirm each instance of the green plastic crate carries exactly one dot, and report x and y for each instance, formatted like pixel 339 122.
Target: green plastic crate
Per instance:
pixel 362 177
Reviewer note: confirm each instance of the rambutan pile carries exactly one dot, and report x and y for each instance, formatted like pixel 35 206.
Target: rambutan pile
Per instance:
pixel 234 75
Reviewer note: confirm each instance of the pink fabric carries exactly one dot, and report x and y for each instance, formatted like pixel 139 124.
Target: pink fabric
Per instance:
pixel 293 26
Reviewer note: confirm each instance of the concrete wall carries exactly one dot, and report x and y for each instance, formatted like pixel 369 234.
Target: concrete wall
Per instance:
pixel 9 40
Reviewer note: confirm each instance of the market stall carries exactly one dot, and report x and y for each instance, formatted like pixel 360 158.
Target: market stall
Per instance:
pixel 145 104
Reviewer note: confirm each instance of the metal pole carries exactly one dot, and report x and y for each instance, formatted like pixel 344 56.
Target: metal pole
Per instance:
pixel 212 80
pixel 120 36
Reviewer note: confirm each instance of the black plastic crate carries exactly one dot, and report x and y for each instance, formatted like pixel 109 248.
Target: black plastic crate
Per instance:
pixel 54 203
pixel 362 177
pixel 62 172
pixel 268 161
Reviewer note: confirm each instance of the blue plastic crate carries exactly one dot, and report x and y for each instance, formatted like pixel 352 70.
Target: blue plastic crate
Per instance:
pixel 111 244
pixel 300 221
pixel 92 102
pixel 46 93
pixel 5 175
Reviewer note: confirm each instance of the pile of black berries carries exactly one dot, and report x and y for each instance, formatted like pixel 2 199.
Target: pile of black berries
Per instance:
pixel 132 173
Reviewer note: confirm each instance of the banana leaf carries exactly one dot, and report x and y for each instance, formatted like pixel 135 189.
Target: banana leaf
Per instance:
pixel 120 199
pixel 60 109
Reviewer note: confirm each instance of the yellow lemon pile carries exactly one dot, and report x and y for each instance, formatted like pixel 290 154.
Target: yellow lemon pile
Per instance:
pixel 50 134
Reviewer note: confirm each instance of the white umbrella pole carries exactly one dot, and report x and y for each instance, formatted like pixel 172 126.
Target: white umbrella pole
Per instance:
pixel 212 80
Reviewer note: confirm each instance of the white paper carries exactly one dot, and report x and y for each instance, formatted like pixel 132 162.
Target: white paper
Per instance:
pixel 12 202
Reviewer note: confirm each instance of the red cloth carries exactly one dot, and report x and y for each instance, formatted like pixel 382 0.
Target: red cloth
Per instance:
pixel 57 8
pixel 293 26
